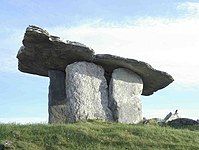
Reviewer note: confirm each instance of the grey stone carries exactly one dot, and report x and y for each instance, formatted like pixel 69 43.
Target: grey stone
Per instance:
pixel 167 117
pixel 153 121
pixel 2 147
pixel 86 90
pixel 153 79
pixel 8 144
pixel 42 52
pixel 57 113
pixel 57 97
pixel 125 89
pixel 182 122
pixel 170 117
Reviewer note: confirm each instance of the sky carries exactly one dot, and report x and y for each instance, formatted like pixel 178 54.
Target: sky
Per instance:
pixel 162 33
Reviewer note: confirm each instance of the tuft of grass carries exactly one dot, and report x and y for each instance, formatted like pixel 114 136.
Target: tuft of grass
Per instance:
pixel 96 134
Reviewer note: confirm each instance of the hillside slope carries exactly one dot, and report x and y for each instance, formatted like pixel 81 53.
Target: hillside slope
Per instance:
pixel 98 135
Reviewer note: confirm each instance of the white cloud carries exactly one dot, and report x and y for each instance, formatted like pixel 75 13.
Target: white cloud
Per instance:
pixel 192 8
pixel 167 44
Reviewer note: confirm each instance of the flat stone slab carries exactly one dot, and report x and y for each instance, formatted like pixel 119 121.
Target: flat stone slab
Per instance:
pixel 182 122
pixel 42 52
pixel 153 79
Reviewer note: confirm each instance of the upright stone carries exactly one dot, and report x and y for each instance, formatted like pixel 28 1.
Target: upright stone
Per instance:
pixel 86 90
pixel 125 90
pixel 57 97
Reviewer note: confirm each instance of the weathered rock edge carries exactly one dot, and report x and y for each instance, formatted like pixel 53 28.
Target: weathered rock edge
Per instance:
pixel 153 79
pixel 42 52
pixel 57 97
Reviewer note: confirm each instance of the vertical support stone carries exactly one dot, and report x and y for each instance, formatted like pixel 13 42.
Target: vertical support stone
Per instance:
pixel 57 97
pixel 125 89
pixel 87 93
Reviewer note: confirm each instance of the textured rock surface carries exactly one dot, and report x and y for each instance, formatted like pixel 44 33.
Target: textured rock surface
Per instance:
pixel 57 97
pixel 42 52
pixel 182 122
pixel 153 79
pixel 57 113
pixel 86 90
pixel 2 147
pixel 124 92
pixel 170 117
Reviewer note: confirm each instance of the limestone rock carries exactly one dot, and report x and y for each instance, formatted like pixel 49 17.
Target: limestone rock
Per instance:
pixel 171 117
pixel 182 122
pixel 152 121
pixel 86 90
pixel 57 97
pixel 153 79
pixel 42 52
pixel 57 113
pixel 125 89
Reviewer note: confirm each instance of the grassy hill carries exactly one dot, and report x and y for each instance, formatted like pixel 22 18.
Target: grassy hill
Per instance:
pixel 98 135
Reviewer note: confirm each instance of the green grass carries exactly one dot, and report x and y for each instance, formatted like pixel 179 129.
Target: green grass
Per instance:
pixel 98 135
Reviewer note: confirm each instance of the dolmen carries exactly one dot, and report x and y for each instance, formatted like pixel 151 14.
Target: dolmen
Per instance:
pixel 87 86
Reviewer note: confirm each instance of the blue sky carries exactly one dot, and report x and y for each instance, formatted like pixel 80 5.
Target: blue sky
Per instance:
pixel 162 33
